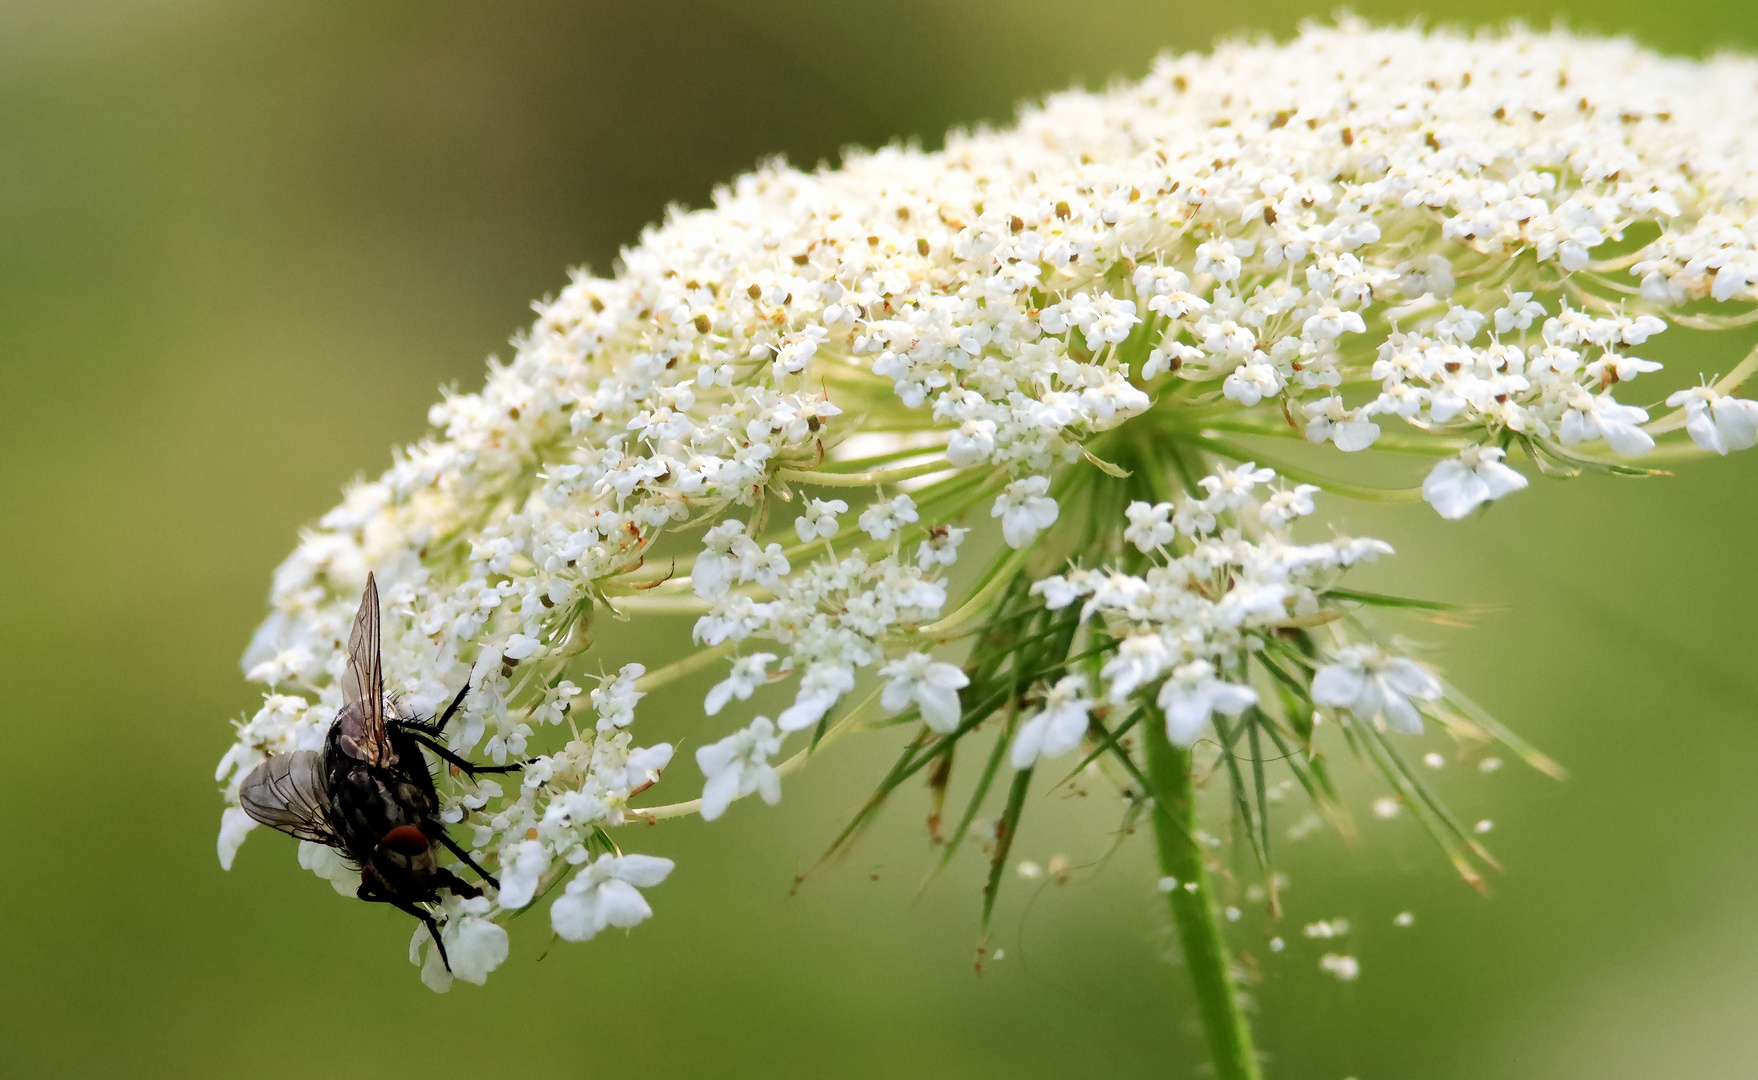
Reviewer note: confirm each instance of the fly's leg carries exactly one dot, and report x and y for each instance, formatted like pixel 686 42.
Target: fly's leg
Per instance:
pixel 439 726
pixel 435 727
pixel 428 733
pixel 367 893
pixel 468 768
pixel 432 929
pixel 464 857
pixel 457 886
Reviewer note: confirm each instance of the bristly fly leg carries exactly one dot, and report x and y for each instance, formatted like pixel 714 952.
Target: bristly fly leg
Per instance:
pixel 432 929
pixel 427 733
pixel 468 768
pixel 436 727
pixel 464 857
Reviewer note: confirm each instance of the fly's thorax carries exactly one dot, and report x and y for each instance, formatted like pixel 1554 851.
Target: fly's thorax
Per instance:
pixel 355 737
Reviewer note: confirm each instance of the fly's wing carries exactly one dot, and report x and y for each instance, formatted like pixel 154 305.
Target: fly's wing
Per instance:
pixel 287 792
pixel 363 685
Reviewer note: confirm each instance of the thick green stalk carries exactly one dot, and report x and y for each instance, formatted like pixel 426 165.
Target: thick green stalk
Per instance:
pixel 1193 910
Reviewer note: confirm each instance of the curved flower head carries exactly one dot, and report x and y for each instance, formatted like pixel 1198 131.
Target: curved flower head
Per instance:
pixel 940 430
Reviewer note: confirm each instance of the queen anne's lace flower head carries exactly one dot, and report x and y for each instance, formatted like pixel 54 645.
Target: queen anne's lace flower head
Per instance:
pixel 1062 335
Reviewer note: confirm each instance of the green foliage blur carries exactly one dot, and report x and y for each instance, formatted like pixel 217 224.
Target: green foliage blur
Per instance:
pixel 241 244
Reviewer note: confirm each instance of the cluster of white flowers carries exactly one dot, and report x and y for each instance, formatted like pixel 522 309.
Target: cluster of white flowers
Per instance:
pixel 1188 623
pixel 1469 235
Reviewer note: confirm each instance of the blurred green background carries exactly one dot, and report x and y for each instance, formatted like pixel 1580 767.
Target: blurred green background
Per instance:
pixel 240 247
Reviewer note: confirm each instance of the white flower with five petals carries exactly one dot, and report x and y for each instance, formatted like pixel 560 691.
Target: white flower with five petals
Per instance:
pixel 929 684
pixel 748 673
pixel 1056 728
pixel 1460 485
pixel 1717 422
pixel 1191 696
pixel 607 893
pixel 1025 510
pixel 1369 684
pixel 738 765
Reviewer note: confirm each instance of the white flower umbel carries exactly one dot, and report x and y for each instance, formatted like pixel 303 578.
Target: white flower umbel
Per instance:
pixel 1074 353
pixel 1203 609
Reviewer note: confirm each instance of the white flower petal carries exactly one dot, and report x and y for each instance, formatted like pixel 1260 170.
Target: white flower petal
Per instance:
pixel 1337 685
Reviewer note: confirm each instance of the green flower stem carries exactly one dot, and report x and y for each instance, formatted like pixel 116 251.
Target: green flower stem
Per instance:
pixel 1193 911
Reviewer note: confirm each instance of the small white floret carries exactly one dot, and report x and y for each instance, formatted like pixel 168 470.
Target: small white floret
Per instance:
pixel 1457 486
pixel 738 765
pixel 1193 694
pixel 748 673
pixel 1056 728
pixel 607 893
pixel 1025 510
pixel 819 520
pixel 1371 684
pixel 1717 422
pixel 884 518
pixel 930 685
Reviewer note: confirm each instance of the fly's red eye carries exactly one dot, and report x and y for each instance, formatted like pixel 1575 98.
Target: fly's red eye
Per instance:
pixel 405 840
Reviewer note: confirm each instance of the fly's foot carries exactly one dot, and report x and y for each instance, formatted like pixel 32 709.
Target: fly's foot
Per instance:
pixel 457 886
